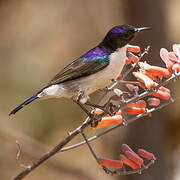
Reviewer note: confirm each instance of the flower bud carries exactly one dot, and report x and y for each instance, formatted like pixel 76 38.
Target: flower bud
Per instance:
pixel 176 67
pixel 128 61
pixel 155 70
pixel 108 120
pixel 173 57
pixel 161 94
pixel 149 83
pixel 145 154
pixel 134 49
pixel 132 57
pixel 165 58
pixel 110 163
pixel 138 104
pixel 125 147
pixel 134 157
pixel 176 49
pixel 153 101
pixel 129 162
pixel 134 110
pixel 98 111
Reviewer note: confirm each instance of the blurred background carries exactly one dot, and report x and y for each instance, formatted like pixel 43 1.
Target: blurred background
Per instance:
pixel 37 39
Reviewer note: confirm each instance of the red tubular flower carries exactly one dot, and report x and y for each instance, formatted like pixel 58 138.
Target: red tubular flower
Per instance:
pixel 145 154
pixel 162 88
pixel 176 49
pixel 134 157
pixel 132 57
pixel 108 120
pixel 155 70
pixel 176 67
pixel 129 162
pixel 134 49
pixel 161 94
pixel 110 163
pixel 128 61
pixel 98 111
pixel 125 147
pixel 149 83
pixel 138 104
pixel 173 57
pixel 134 110
pixel 119 112
pixel 153 101
pixel 165 58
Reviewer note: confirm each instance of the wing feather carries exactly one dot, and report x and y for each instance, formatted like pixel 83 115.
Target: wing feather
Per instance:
pixel 79 68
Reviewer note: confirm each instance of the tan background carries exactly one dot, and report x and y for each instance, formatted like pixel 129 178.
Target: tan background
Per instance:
pixel 38 38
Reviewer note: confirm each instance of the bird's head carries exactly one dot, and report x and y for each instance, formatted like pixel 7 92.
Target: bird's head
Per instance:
pixel 119 36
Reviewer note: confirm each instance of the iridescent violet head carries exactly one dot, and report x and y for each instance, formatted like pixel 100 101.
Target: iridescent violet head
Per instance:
pixel 121 29
pixel 119 36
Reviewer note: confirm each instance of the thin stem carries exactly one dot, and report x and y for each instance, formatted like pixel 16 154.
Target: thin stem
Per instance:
pixel 89 146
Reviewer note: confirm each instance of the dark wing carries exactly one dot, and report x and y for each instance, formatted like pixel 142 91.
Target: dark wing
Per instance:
pixel 81 67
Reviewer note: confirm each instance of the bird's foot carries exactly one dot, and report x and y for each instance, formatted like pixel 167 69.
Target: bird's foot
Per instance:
pixel 95 119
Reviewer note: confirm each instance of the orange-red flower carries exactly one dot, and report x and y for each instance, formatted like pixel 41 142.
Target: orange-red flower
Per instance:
pixel 125 147
pixel 138 104
pixel 110 163
pixel 176 49
pixel 173 57
pixel 133 58
pixel 149 83
pixel 153 101
pixel 155 70
pixel 134 49
pixel 108 120
pixel 129 162
pixel 176 67
pixel 162 94
pixel 145 154
pixel 98 111
pixel 134 157
pixel 134 110
pixel 165 57
pixel 130 154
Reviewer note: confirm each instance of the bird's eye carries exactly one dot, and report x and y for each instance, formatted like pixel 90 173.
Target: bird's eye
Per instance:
pixel 126 35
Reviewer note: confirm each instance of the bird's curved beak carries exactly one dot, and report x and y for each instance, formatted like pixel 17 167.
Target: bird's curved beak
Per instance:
pixel 142 29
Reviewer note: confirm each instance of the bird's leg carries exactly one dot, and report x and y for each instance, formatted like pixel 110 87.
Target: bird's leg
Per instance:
pixel 107 108
pixel 95 119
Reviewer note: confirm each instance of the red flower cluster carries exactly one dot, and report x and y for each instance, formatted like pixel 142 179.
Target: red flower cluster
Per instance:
pixel 129 158
pixel 148 77
pixel 108 120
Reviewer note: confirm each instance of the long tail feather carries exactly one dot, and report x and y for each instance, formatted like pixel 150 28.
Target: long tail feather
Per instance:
pixel 14 111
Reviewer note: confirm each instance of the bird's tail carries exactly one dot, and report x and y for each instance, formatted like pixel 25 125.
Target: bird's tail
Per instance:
pixel 14 111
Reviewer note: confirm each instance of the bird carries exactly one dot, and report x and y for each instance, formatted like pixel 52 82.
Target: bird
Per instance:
pixel 90 72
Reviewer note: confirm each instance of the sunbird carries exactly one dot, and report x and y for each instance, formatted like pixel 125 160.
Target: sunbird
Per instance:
pixel 92 71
